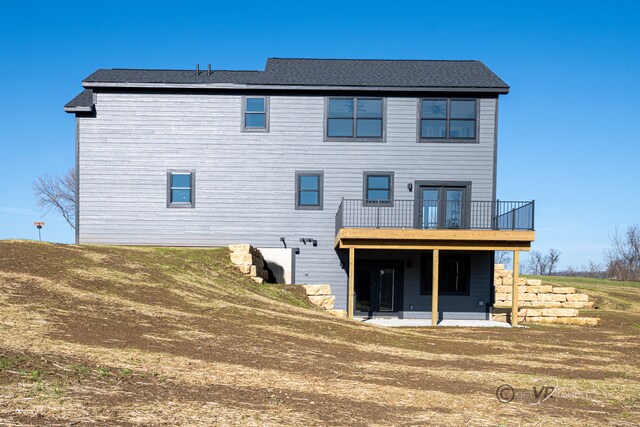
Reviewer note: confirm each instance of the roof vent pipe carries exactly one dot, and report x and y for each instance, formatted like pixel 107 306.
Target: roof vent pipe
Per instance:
pixel 197 69
pixel 208 69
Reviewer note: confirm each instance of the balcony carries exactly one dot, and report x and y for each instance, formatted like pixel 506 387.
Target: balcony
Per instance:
pixel 426 224
pixel 431 214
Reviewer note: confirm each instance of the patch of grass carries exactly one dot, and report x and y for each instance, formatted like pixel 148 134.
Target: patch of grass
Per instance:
pixel 9 362
pixel 585 281
pixel 103 373
pixel 35 376
pixel 79 370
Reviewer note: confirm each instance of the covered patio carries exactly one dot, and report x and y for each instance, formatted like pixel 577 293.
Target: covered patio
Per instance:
pixel 354 240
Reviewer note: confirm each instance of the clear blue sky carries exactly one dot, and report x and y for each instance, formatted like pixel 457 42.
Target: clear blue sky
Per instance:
pixel 567 134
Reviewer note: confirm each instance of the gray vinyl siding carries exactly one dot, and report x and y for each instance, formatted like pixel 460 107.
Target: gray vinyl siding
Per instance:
pixel 246 181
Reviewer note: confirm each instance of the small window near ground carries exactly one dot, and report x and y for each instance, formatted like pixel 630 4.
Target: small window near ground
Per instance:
pixel 309 189
pixel 453 274
pixel 255 113
pixel 354 118
pixel 180 189
pixel 448 119
pixel 378 187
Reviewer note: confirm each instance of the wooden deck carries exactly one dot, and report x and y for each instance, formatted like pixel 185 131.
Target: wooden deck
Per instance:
pixel 418 239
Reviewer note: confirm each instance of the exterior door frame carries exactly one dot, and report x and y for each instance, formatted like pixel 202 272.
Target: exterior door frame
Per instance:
pixel 419 185
pixel 398 267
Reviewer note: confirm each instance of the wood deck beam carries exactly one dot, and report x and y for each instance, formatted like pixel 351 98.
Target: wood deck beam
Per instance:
pixel 352 275
pixel 434 288
pixel 514 289
pixel 410 239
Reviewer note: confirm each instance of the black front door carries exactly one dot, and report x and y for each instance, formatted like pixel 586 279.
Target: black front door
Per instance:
pixel 376 287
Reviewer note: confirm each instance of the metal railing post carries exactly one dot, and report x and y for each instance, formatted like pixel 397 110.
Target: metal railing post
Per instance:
pixel 533 211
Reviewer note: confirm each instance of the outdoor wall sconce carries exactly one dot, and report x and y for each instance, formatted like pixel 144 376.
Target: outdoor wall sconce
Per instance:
pixel 306 240
pixel 410 187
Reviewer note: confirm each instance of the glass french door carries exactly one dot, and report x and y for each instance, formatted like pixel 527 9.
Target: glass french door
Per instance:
pixel 375 288
pixel 442 207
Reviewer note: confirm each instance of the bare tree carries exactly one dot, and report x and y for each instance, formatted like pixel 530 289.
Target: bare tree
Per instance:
pixel 623 258
pixel 536 264
pixel 570 271
pixel 58 192
pixel 503 257
pixel 542 265
pixel 552 259
pixel 593 269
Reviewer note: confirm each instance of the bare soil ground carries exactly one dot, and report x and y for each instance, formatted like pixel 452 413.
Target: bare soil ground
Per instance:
pixel 149 336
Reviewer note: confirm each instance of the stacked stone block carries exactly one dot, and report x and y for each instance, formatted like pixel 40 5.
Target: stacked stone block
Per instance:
pixel 249 261
pixel 540 303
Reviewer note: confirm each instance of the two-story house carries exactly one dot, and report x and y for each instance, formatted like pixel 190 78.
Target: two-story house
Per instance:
pixel 381 173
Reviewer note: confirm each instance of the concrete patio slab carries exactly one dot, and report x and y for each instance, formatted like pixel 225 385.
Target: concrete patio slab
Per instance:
pixel 391 322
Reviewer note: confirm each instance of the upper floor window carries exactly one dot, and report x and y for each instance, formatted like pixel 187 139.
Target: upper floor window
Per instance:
pixel 378 187
pixel 448 119
pixel 256 113
pixel 309 189
pixel 354 118
pixel 181 189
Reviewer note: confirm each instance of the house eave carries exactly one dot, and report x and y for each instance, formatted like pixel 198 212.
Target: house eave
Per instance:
pixel 235 86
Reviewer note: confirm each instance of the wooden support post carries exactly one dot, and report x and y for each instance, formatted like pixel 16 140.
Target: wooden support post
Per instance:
pixel 352 275
pixel 434 288
pixel 514 289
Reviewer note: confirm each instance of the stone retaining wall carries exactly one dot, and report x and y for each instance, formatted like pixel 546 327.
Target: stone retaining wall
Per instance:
pixel 537 302
pixel 249 261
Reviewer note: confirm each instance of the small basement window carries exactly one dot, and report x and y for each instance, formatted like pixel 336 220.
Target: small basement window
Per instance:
pixel 309 190
pixel 180 189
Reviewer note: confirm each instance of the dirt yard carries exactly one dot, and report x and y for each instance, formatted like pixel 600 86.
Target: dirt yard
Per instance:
pixel 147 336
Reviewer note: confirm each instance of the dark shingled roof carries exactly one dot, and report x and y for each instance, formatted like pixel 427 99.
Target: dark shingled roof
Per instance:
pixel 323 72
pixel 382 73
pixel 119 75
pixel 288 73
pixel 83 102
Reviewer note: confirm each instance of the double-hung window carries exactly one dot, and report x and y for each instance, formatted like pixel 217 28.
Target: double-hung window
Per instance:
pixel 378 188
pixel 448 119
pixel 309 189
pixel 255 113
pixel 355 118
pixel 181 189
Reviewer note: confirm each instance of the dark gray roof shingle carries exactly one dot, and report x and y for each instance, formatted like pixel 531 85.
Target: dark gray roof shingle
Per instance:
pixel 119 75
pixel 384 73
pixel 83 102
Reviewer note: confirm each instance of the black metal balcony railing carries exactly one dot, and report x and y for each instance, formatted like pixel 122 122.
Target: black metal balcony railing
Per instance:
pixel 433 214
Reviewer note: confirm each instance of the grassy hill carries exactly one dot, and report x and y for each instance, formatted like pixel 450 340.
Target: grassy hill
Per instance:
pixel 616 302
pixel 147 336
